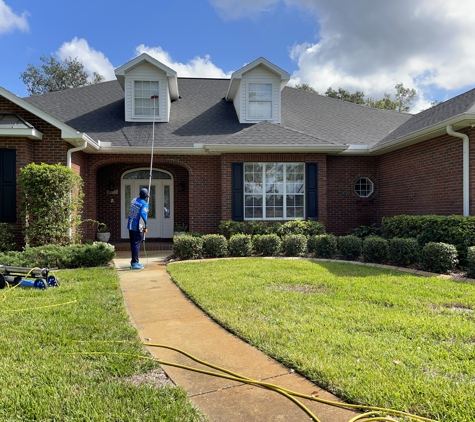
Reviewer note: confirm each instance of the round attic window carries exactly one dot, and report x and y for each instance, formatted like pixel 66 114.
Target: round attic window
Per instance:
pixel 364 187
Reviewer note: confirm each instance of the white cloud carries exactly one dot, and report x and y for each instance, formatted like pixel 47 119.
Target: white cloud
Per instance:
pixel 93 60
pixel 9 21
pixel 372 45
pixel 201 67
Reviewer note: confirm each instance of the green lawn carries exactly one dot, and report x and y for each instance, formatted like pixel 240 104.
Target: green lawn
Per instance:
pixel 369 335
pixel 47 375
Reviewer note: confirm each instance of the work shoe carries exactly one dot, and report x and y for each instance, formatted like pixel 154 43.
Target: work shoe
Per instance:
pixel 137 266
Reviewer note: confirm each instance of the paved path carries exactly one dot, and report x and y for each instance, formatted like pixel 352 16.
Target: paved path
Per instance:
pixel 163 314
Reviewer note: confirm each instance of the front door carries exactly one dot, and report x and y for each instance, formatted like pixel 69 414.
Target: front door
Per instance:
pixel 160 215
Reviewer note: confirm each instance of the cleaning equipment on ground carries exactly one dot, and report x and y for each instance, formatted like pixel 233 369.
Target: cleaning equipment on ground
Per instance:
pixel 37 278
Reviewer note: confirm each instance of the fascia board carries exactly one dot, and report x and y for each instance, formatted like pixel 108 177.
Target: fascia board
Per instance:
pixel 30 133
pixel 144 57
pixel 274 148
pixel 157 150
pixel 68 133
pixel 458 122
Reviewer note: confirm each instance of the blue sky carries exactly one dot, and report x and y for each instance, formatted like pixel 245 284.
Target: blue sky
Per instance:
pixel 368 45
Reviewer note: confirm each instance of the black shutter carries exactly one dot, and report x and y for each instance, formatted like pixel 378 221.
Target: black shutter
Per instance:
pixel 7 185
pixel 312 190
pixel 237 191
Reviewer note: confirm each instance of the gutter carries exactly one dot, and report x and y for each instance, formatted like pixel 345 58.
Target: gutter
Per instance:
pixel 466 168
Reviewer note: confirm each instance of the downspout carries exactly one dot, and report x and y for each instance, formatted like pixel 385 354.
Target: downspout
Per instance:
pixel 70 165
pixel 466 168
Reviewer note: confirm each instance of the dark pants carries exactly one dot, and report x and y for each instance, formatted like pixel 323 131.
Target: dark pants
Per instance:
pixel 135 238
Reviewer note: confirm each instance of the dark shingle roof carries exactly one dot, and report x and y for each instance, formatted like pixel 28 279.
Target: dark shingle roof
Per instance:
pixel 201 115
pixel 463 103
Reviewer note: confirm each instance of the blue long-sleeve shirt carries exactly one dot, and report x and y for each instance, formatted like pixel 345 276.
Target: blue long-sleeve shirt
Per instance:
pixel 138 215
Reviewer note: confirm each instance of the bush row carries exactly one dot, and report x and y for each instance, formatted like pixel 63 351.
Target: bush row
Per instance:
pixel 53 256
pixel 437 257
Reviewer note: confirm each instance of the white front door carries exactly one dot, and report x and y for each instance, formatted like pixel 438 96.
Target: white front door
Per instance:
pixel 160 215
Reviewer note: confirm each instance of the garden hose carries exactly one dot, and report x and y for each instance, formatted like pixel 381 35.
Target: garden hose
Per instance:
pixel 373 413
pixel 16 285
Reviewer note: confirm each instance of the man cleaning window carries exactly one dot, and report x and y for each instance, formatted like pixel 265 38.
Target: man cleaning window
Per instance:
pixel 137 226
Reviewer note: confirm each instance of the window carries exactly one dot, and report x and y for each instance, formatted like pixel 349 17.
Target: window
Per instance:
pixel 260 101
pixel 364 187
pixel 274 191
pixel 143 103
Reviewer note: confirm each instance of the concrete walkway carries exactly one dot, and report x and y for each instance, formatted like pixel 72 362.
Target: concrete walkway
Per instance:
pixel 163 314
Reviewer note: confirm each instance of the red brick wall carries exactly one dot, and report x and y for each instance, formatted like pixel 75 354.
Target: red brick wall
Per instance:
pixel 346 210
pixel 425 178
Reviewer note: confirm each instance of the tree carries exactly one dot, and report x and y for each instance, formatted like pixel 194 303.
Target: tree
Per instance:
pixel 56 75
pixel 356 97
pixel 306 87
pixel 404 98
pixel 384 103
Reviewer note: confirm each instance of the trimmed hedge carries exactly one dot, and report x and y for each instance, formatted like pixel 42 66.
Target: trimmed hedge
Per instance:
pixel 375 249
pixel 294 245
pixel 267 244
pixel 439 257
pixel 404 252
pixel 349 247
pixel 240 245
pixel 323 245
pixel 54 256
pixel 7 238
pixel 453 229
pixel 214 246
pixel 187 247
pixel 471 262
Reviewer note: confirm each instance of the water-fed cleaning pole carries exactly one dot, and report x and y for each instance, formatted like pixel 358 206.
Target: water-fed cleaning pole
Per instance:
pixel 153 97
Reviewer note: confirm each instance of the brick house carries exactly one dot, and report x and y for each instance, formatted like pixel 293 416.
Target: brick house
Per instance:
pixel 244 148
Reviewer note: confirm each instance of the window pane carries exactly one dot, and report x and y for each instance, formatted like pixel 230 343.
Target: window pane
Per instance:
pixel 166 201
pixel 127 200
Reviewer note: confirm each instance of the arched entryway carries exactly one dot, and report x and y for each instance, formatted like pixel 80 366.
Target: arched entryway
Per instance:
pixel 161 206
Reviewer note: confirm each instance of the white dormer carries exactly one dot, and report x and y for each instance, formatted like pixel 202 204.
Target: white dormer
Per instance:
pixel 149 87
pixel 256 90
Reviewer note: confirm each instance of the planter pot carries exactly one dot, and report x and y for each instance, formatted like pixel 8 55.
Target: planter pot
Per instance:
pixel 103 237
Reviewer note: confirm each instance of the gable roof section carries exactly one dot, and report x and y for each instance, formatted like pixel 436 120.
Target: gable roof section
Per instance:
pixel 238 74
pixel 337 121
pixel 68 133
pixel 13 125
pixel 269 137
pixel 121 72
pixel 458 111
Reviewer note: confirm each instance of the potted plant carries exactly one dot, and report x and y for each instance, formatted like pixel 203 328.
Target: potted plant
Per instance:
pixel 179 229
pixel 103 231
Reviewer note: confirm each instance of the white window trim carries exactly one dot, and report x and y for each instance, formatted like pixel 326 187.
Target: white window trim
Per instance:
pixel 370 183
pixel 264 217
pixel 255 119
pixel 141 116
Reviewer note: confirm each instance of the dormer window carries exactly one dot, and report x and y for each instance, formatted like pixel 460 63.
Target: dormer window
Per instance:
pixel 143 101
pixel 260 101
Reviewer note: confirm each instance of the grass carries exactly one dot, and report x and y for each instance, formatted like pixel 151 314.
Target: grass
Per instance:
pixel 369 335
pixel 47 375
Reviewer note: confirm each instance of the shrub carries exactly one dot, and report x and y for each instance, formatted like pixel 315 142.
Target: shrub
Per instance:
pixel 453 229
pixel 306 227
pixel 49 211
pixel 375 249
pixel 214 245
pixel 53 256
pixel 7 238
pixel 349 247
pixel 365 231
pixel 439 257
pixel 294 245
pixel 404 252
pixel 323 245
pixel 471 262
pixel 240 245
pixel 267 244
pixel 187 247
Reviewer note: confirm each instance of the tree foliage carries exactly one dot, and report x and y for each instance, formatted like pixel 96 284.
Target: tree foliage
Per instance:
pixel 402 101
pixel 51 204
pixel 57 75
pixel 306 87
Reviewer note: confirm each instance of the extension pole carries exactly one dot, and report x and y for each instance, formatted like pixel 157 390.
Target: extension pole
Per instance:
pixel 154 97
